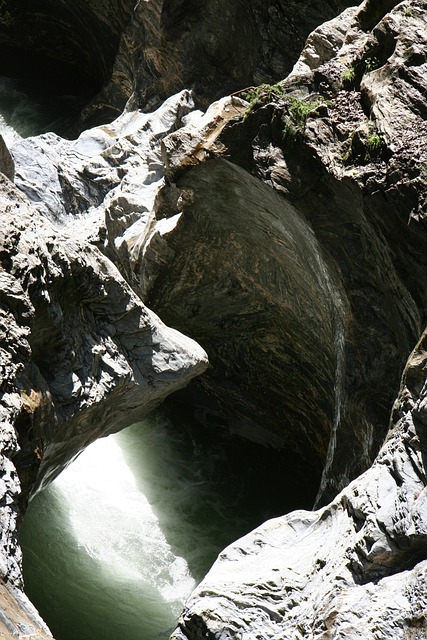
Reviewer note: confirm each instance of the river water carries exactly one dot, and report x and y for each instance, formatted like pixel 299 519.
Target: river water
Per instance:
pixel 114 546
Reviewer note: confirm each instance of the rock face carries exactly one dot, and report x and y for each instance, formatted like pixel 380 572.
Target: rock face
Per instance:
pixel 154 48
pixel 99 359
pixel 6 161
pixel 81 357
pixel 353 163
pixel 287 235
pixel 354 569
pixel 267 317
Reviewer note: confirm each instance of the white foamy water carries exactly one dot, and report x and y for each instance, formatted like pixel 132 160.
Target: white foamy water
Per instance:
pixel 116 544
pixel 10 136
pixel 124 534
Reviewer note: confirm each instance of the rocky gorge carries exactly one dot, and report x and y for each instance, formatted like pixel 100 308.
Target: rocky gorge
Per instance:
pixel 257 259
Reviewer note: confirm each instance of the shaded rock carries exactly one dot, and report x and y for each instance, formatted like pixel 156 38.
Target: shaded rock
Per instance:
pixel 354 568
pixel 269 317
pixel 149 50
pixel 67 48
pixel 215 48
pixel 359 203
pixel 7 166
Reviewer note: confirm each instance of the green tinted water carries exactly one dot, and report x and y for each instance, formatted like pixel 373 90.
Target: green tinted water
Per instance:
pixel 116 544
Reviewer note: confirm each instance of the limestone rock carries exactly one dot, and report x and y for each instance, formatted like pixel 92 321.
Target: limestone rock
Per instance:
pixel 356 568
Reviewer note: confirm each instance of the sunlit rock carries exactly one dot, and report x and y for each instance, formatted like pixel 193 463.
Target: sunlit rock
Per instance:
pixel 99 358
pixel 355 567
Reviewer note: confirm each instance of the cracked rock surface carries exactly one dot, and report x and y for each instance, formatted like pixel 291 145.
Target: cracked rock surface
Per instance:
pixel 288 237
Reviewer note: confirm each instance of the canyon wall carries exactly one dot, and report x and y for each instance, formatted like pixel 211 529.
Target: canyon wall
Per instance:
pixel 284 232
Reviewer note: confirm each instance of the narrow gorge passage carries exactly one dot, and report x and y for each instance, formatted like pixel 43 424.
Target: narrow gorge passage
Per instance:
pixel 27 109
pixel 115 546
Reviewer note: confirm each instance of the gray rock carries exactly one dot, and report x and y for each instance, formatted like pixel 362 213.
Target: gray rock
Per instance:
pixel 99 358
pixel 80 355
pixel 358 202
pixel 300 267
pixel 354 569
pixel 357 567
pixel 7 166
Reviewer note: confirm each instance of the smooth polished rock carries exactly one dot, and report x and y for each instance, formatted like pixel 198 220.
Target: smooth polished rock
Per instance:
pixel 244 276
pixel 354 569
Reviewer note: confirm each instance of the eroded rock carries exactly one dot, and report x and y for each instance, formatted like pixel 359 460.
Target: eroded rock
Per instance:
pixel 99 359
pixel 352 569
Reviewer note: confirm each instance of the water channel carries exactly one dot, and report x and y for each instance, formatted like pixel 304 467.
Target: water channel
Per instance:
pixel 116 544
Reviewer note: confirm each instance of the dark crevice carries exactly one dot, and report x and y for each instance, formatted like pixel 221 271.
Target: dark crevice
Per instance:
pixel 54 59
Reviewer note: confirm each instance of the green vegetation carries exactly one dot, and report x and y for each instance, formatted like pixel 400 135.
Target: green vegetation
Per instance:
pixel 299 111
pixel 408 11
pixel 360 149
pixel 374 143
pixel 6 18
pixel 357 69
pixel 348 77
pixel 371 64
pixel 261 95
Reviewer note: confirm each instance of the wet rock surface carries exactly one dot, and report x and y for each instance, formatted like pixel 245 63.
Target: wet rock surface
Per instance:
pixel 356 567
pixel 288 237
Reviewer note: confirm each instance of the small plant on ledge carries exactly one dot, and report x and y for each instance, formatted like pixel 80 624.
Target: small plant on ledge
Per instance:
pixel 360 149
pixel 300 109
pixel 375 144
pixel 348 77
pixel 259 95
